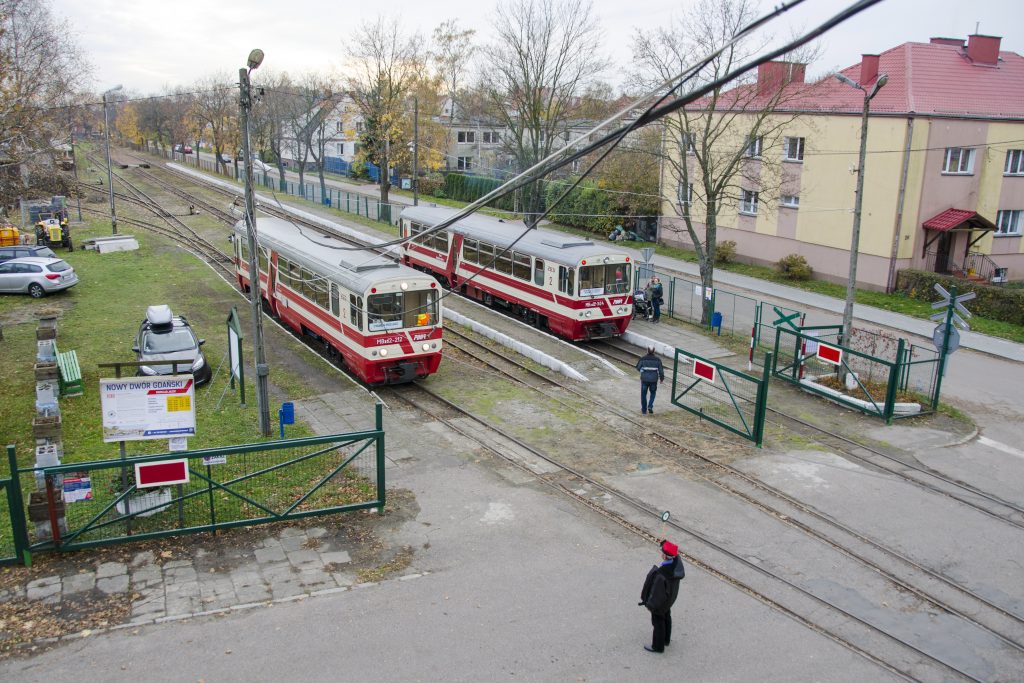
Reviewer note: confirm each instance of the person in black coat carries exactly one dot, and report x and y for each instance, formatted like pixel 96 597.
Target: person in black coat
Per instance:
pixel 659 594
pixel 651 372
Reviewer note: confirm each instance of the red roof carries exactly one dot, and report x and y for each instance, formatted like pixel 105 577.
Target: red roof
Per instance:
pixel 948 220
pixel 924 78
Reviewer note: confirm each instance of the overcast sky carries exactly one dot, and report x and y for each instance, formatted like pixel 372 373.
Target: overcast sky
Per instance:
pixel 147 44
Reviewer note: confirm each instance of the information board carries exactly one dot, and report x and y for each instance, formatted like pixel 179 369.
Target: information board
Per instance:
pixel 140 408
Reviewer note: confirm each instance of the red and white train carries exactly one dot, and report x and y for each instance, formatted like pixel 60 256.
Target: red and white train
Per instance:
pixel 381 318
pixel 569 285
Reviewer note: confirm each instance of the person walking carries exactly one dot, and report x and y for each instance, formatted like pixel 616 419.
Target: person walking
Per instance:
pixel 651 372
pixel 657 293
pixel 661 588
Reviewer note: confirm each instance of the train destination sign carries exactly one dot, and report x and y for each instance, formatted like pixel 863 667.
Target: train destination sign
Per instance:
pixel 140 408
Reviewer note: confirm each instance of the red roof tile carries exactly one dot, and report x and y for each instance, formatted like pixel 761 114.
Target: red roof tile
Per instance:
pixel 948 219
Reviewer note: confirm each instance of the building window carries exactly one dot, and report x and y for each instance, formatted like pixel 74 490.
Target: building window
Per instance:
pixel 1009 222
pixel 1014 162
pixel 492 137
pixel 791 201
pixel 793 149
pixel 748 204
pixel 754 147
pixel 689 143
pixel 464 163
pixel 341 149
pixel 339 129
pixel 959 160
pixel 466 136
pixel 685 194
pixel 576 163
pixel 359 127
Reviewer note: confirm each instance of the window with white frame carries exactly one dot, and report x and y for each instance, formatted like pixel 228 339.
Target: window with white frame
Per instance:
pixel 793 149
pixel 359 126
pixel 340 128
pixel 689 143
pixel 341 149
pixel 1009 221
pixel 575 165
pixel 754 147
pixel 684 194
pixel 492 137
pixel 466 136
pixel 790 201
pixel 748 202
pixel 959 160
pixel 464 163
pixel 1014 162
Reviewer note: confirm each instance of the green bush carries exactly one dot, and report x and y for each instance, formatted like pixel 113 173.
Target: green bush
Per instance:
pixel 725 251
pixel 993 302
pixel 794 267
pixel 430 184
pixel 469 188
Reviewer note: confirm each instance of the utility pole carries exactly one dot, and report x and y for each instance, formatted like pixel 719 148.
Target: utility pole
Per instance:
pixel 255 295
pixel 110 172
pixel 415 151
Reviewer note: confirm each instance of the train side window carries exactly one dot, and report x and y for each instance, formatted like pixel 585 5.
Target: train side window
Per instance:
pixel 321 292
pixel 306 278
pixel 245 250
pixel 355 311
pixel 486 255
pixel 283 276
pixel 470 252
pixel 521 266
pixel 264 259
pixel 504 263
pixel 566 280
pixel 538 272
pixel 439 241
pixel 334 299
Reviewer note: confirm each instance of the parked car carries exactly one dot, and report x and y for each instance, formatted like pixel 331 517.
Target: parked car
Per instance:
pixel 21 251
pixel 184 149
pixel 36 275
pixel 166 337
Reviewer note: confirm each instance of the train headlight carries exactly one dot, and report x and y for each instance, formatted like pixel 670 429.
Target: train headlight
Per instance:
pixel 426 347
pixel 589 312
pixel 383 352
pixel 404 286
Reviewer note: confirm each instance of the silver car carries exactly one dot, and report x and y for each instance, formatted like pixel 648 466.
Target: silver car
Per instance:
pixel 36 275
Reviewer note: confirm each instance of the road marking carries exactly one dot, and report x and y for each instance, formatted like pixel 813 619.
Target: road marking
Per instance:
pixel 985 441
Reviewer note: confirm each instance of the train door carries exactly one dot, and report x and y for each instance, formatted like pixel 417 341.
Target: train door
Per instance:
pixel 268 262
pixel 454 251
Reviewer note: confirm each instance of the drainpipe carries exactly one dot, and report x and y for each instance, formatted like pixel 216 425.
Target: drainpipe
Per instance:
pixel 890 282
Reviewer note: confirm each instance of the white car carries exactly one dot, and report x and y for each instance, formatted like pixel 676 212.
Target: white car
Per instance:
pixel 36 275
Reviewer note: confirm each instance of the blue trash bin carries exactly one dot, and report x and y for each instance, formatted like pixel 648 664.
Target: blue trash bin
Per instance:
pixel 716 322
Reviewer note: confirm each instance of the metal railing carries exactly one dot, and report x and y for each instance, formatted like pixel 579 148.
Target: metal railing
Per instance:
pixel 975 266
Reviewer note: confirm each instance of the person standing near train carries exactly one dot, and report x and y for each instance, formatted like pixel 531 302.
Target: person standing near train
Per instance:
pixel 651 372
pixel 655 294
pixel 661 588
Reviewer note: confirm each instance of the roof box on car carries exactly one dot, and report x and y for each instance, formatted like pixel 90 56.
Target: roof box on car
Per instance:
pixel 159 316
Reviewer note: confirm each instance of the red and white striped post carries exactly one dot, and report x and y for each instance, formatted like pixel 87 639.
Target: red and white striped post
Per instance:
pixel 750 358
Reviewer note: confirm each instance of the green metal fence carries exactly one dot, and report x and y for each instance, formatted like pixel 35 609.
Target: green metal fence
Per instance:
pixel 726 397
pixel 227 487
pixel 898 382
pixel 13 526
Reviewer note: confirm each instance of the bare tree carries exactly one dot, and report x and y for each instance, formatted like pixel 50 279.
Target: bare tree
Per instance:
pixel 320 98
pixel 155 117
pixel 271 118
pixel 712 150
pixel 41 67
pixel 546 55
pixel 451 53
pixel 387 62
pixel 215 109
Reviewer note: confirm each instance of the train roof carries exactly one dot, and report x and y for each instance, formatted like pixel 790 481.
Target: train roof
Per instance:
pixel 546 244
pixel 355 270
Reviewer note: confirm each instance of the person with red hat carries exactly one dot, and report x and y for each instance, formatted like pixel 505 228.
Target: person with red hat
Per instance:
pixel 659 594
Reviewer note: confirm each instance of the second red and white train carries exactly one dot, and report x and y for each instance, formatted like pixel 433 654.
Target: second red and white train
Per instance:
pixel 575 288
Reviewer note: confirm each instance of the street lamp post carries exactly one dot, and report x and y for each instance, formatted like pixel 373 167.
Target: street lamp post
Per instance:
pixel 110 173
pixel 415 151
pixel 851 285
pixel 255 295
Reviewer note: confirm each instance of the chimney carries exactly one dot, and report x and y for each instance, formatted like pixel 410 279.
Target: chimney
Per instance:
pixel 955 42
pixel 772 76
pixel 868 69
pixel 983 49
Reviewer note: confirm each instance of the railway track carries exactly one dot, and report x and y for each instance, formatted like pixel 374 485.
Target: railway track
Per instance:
pixel 829 619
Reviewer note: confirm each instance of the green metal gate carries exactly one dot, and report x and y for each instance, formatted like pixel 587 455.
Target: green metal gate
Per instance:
pixel 13 532
pixel 729 398
pixel 98 503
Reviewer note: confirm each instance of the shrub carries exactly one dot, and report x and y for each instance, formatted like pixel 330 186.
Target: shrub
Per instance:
pixel 430 184
pixel 993 302
pixel 794 267
pixel 725 251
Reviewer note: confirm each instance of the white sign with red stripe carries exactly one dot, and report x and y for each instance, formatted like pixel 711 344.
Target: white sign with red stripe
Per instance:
pixel 164 473
pixel 830 354
pixel 138 408
pixel 704 370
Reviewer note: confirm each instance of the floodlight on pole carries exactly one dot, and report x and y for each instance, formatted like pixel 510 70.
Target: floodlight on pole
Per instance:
pixel 851 284
pixel 255 293
pixel 110 173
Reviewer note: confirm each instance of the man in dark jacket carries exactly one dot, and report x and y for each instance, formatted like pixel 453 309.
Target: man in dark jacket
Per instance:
pixel 651 372
pixel 659 594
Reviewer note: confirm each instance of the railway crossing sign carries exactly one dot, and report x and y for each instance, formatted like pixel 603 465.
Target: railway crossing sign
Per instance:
pixel 960 315
pixel 786 319
pixel 703 370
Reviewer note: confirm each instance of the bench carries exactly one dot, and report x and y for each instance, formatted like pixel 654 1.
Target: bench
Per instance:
pixel 70 373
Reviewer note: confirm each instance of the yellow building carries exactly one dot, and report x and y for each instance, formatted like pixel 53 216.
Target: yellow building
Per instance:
pixel 943 175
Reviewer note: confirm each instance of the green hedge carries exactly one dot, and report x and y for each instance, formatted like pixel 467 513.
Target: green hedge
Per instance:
pixel 586 207
pixel 469 188
pixel 995 303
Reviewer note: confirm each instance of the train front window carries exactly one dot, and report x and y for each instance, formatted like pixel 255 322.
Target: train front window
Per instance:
pixel 399 310
pixel 611 278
